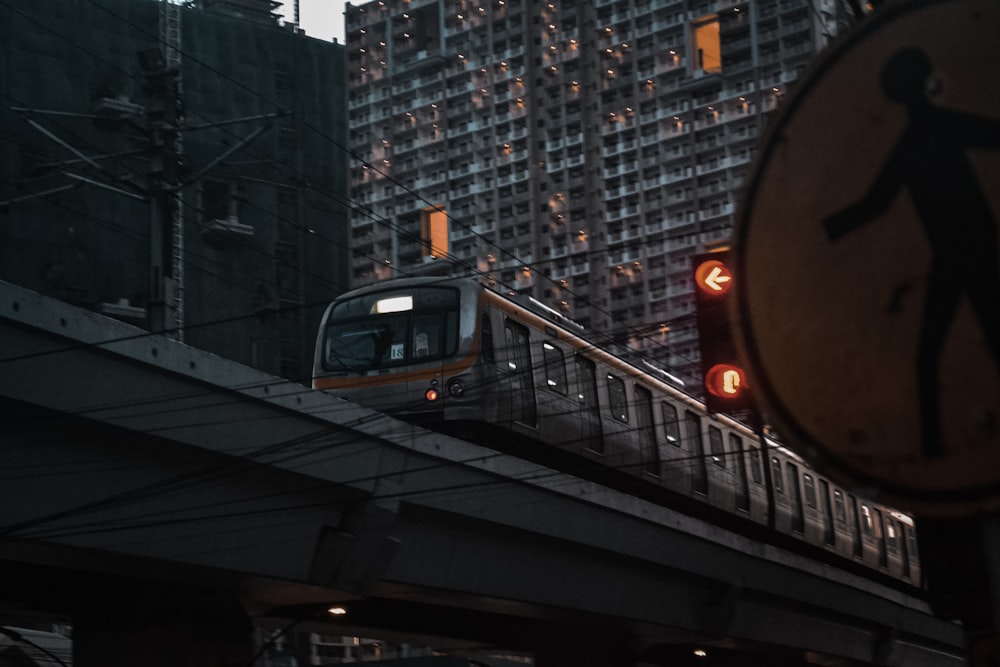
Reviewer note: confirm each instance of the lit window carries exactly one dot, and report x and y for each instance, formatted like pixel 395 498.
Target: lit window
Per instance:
pixel 707 48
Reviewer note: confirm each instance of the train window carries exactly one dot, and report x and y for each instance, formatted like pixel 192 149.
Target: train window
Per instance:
pixel 866 520
pixel 392 328
pixel 716 446
pixel 890 533
pixel 419 299
pixel 671 424
pixel 755 469
pixel 450 333
pixel 508 332
pixel 486 337
pixel 810 491
pixel 776 475
pixel 617 401
pixel 427 337
pixel 840 510
pixel 360 345
pixel 555 368
pixel 646 432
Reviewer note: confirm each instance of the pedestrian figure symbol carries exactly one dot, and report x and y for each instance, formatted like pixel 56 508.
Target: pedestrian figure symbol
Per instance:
pixel 930 161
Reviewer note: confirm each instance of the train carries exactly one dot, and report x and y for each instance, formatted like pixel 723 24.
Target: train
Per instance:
pixel 504 370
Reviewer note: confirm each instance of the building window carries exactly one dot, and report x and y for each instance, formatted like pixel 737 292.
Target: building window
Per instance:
pixel 708 53
pixel 434 232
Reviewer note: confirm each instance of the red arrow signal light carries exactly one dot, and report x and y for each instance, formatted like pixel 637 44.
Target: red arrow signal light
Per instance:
pixel 713 277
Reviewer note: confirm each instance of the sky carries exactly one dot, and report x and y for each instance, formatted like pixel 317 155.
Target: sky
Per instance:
pixel 322 19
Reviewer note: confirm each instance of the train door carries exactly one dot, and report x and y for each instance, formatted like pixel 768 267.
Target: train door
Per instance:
pixel 699 472
pixel 649 454
pixel 590 411
pixel 760 495
pixel 893 544
pixel 521 388
pixel 846 542
pixel 814 518
pixel 795 498
pixel 781 511
pixel 675 467
pixel 619 433
pixel 904 551
pixel 910 551
pixel 721 486
pixel 824 497
pixel 558 422
pixel 742 484
pixel 488 378
pixel 858 546
pixel 878 530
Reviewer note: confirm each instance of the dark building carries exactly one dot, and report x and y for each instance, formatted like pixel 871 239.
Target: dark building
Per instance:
pixel 230 233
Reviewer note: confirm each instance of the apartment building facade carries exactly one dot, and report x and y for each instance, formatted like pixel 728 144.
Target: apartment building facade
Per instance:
pixel 581 151
pixel 258 235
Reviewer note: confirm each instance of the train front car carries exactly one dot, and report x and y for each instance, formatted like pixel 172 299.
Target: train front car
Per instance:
pixel 407 347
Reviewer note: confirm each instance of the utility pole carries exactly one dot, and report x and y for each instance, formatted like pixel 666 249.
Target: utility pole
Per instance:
pixel 162 132
pixel 170 37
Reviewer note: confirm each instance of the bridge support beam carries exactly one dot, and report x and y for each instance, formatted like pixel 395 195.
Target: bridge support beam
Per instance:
pixel 584 654
pixel 161 626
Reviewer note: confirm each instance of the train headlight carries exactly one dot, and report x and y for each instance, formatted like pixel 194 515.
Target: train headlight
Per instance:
pixel 431 395
pixel 456 387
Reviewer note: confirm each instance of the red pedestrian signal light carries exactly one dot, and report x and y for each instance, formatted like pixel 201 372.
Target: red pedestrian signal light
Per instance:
pixel 725 381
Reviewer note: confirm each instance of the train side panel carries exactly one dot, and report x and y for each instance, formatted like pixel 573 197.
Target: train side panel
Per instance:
pixel 549 387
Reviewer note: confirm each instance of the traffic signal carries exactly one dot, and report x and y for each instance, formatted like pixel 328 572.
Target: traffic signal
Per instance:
pixel 724 379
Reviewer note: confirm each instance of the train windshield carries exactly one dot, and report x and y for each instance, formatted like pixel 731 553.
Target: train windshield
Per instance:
pixel 393 328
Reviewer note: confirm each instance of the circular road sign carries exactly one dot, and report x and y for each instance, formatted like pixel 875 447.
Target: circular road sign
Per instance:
pixel 869 295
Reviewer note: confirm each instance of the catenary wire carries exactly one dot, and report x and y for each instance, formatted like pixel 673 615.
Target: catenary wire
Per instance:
pixel 188 57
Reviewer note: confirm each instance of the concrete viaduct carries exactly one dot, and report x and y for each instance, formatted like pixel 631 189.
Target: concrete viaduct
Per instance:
pixel 161 498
